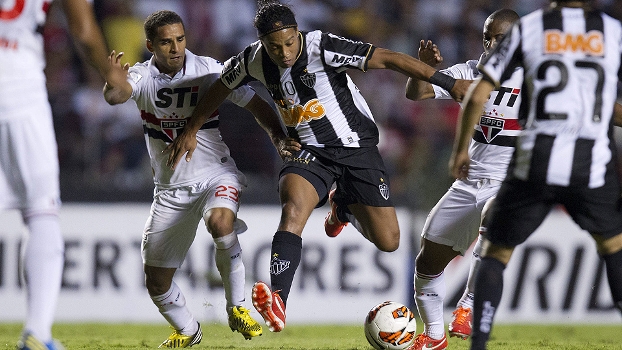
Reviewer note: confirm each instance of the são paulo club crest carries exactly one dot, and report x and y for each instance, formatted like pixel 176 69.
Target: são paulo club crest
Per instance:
pixel 491 126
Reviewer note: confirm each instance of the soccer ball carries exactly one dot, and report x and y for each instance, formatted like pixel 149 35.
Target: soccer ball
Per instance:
pixel 390 325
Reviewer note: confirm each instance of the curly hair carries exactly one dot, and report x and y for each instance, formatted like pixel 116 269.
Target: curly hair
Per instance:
pixel 159 19
pixel 271 16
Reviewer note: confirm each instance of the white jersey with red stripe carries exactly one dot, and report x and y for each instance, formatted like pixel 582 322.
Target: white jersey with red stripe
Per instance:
pixel 22 57
pixel 492 145
pixel 165 105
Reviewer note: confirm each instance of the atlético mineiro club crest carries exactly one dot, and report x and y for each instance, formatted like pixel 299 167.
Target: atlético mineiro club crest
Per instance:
pixel 308 79
pixel 172 127
pixel 491 127
pixel 384 190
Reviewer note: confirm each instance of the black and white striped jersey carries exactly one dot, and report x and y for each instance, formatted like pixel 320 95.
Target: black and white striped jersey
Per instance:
pixel 571 61
pixel 316 99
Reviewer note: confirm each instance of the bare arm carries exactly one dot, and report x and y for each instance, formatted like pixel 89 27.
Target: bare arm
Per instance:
pixel 86 33
pixel 617 114
pixel 186 142
pixel 413 68
pixel 416 89
pixel 475 99
pixel 269 121
pixel 117 89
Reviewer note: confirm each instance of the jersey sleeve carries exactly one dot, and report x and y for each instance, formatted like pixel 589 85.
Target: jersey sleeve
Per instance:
pixel 135 77
pixel 340 52
pixel 241 95
pixel 503 61
pixel 235 71
pixel 456 72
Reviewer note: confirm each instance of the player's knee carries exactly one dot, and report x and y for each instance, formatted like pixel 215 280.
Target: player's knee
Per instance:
pixel 388 241
pixel 219 222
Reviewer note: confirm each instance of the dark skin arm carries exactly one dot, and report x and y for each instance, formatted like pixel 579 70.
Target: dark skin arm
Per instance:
pixel 186 142
pixel 413 68
pixel 269 121
pixel 416 89
pixel 86 33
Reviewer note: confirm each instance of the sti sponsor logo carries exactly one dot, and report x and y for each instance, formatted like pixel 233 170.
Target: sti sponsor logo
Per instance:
pixel 590 43
pixel 167 97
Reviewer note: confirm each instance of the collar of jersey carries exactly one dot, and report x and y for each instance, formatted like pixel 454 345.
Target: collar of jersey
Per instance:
pixel 189 67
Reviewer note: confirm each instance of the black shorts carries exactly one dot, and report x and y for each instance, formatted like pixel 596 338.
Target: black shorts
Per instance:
pixel 359 173
pixel 520 207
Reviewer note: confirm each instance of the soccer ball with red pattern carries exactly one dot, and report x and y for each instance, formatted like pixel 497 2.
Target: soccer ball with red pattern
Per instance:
pixel 390 325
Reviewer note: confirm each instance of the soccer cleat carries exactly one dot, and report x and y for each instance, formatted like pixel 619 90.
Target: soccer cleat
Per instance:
pixel 178 340
pixel 270 306
pixel 240 320
pixel 332 224
pixel 460 325
pixel 29 342
pixel 424 342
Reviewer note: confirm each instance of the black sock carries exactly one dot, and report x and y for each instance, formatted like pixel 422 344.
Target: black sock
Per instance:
pixel 285 258
pixel 613 263
pixel 488 290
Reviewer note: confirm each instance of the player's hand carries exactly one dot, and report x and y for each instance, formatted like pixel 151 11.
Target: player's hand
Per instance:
pixel 459 164
pixel 287 147
pixel 429 53
pixel 117 74
pixel 185 143
pixel 460 89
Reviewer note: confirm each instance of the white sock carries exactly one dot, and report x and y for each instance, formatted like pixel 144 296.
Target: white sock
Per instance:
pixel 231 268
pixel 429 294
pixel 466 300
pixel 172 306
pixel 43 262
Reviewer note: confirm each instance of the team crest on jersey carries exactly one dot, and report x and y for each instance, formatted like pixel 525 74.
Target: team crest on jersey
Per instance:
pixel 491 127
pixel 384 190
pixel 172 127
pixel 135 77
pixel 308 79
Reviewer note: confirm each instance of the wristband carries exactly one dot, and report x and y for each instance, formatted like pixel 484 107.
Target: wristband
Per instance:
pixel 442 80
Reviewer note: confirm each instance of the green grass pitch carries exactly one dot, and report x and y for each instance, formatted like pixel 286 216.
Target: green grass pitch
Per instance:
pixel 317 337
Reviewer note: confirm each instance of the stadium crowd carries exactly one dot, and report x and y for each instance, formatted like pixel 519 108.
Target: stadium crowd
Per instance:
pixel 101 148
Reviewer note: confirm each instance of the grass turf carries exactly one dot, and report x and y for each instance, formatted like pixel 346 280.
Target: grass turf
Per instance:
pixel 318 337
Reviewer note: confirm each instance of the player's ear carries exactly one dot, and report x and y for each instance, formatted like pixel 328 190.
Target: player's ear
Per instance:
pixel 149 45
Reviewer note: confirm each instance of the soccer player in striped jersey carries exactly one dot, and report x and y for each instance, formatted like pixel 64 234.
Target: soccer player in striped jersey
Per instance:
pixel 451 226
pixel 565 154
pixel 305 73
pixel 166 89
pixel 29 170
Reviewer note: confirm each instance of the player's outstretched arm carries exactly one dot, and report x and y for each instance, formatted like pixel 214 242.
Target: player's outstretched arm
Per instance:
pixel 117 89
pixel 414 68
pixel 475 99
pixel 269 121
pixel 186 142
pixel 86 33
pixel 416 89
pixel 617 114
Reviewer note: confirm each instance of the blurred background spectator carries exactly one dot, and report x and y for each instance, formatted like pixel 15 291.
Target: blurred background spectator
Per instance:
pixel 101 148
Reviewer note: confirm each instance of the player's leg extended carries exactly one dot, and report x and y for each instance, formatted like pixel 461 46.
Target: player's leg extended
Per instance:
pixel 378 224
pixel 611 251
pixel 298 199
pixel 220 224
pixel 430 290
pixel 488 292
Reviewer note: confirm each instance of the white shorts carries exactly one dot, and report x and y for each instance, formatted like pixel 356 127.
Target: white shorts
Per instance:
pixel 455 219
pixel 29 162
pixel 175 215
